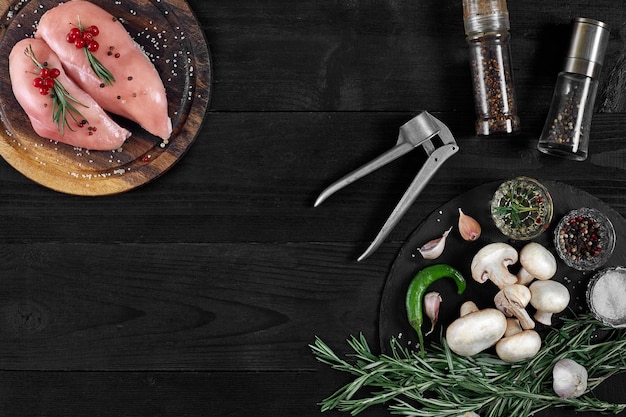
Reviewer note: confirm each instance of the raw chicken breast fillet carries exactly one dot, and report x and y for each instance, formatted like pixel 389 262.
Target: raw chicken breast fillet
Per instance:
pixel 137 93
pixel 99 132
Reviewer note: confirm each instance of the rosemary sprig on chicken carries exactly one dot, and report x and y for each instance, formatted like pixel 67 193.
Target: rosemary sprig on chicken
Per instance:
pixel 63 104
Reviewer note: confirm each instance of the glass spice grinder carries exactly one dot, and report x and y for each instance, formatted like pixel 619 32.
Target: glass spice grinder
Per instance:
pixel 486 24
pixel 567 126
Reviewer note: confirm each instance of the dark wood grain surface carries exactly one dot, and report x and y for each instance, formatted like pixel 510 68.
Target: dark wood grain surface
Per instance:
pixel 197 294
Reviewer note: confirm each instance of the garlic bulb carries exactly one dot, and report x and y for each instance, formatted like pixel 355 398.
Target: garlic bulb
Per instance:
pixel 569 379
pixel 468 227
pixel 432 301
pixel 434 248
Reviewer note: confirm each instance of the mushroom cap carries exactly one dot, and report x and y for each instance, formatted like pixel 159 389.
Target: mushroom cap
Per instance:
pixel 537 261
pixel 520 346
pixel 492 261
pixel 512 327
pixel 550 296
pixel 512 301
pixel 468 307
pixel 475 332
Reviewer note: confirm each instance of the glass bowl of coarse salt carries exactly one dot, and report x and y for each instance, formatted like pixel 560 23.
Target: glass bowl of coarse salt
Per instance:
pixel 606 296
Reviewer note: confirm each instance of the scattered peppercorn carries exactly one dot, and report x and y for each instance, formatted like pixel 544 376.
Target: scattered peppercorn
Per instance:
pixel 130 78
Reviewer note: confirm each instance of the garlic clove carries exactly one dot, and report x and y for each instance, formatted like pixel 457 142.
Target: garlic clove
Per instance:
pixel 469 228
pixel 432 301
pixel 434 248
pixel 569 379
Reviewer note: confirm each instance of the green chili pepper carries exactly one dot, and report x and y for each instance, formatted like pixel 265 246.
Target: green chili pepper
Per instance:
pixel 417 288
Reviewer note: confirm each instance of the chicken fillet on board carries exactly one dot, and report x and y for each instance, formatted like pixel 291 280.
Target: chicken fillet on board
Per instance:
pixel 137 93
pixel 89 128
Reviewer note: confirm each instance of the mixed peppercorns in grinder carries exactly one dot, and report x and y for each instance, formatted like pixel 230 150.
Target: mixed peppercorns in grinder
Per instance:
pixel 566 131
pixel 486 25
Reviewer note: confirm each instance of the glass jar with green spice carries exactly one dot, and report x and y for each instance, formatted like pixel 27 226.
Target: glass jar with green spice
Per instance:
pixel 521 208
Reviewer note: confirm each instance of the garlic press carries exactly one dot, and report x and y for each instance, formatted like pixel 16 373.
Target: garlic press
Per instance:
pixel 417 132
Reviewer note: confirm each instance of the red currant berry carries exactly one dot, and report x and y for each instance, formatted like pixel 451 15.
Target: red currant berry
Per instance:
pixel 37 82
pixel 48 82
pixel 79 43
pixel 54 73
pixel 72 35
pixel 87 36
pixel 94 30
pixel 44 91
pixel 93 46
pixel 44 73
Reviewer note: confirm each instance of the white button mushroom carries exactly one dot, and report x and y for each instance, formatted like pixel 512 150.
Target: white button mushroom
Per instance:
pixel 517 344
pixel 548 297
pixel 492 261
pixel 512 301
pixel 476 330
pixel 537 262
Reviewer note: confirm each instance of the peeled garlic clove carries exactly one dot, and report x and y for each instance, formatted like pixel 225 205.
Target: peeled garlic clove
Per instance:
pixel 468 227
pixel 434 248
pixel 569 379
pixel 432 301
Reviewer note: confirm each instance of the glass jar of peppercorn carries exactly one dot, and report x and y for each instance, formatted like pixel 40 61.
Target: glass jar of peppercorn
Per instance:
pixel 567 126
pixel 486 25
pixel 584 239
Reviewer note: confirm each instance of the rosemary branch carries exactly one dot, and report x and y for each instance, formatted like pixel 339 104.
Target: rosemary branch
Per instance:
pixel 446 385
pixel 98 68
pixel 62 102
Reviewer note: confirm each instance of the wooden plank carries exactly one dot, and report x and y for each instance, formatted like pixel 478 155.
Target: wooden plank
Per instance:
pixel 381 56
pixel 188 394
pixel 125 394
pixel 251 171
pixel 227 306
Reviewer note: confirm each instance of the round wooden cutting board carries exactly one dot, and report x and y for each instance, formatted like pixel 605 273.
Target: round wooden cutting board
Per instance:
pixel 171 36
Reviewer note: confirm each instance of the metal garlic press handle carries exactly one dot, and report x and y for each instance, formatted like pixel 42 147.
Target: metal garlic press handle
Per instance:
pixel 428 170
pixel 417 132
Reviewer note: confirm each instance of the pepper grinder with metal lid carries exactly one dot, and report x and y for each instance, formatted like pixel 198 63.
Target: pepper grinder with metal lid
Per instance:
pixel 486 24
pixel 567 126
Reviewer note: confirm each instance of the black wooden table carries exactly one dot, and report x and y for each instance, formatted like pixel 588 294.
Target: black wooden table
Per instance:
pixel 199 293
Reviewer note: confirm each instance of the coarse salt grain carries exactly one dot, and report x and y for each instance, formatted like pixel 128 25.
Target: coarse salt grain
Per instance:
pixel 608 296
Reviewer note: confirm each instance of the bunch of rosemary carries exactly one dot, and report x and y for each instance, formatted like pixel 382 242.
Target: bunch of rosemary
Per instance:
pixel 445 384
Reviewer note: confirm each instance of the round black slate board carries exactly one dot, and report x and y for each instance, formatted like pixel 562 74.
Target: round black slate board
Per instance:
pixel 459 253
